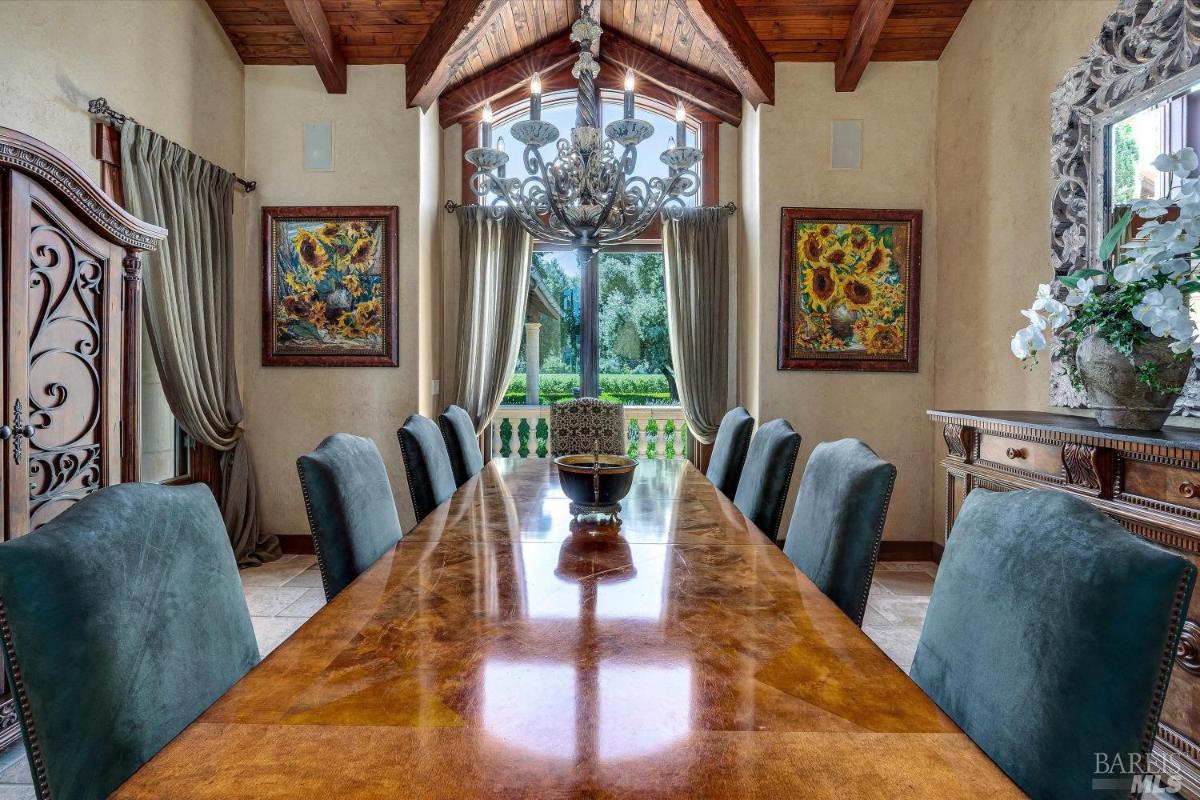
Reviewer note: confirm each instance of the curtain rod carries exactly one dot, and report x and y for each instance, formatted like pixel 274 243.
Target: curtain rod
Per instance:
pixel 100 108
pixel 451 207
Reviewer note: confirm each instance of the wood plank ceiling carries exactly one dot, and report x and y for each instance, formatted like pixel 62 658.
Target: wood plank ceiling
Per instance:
pixel 686 31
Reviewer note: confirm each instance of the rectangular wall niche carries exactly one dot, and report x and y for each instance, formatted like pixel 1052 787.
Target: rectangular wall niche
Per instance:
pixel 846 148
pixel 318 146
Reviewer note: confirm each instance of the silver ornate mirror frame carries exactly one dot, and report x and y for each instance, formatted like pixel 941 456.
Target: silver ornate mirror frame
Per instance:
pixel 1145 52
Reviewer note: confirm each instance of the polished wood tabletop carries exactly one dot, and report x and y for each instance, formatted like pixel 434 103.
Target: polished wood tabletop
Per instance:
pixel 503 650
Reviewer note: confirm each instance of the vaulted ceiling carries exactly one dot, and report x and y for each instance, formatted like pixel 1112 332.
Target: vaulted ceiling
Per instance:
pixel 447 43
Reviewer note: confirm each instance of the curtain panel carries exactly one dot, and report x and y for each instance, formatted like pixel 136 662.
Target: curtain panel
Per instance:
pixel 188 308
pixel 495 255
pixel 696 258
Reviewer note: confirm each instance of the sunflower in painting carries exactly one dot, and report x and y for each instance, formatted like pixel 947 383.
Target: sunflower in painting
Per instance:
pixel 850 292
pixel 330 285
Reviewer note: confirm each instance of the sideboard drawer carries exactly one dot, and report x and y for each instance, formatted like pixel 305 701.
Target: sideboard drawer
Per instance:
pixel 1009 453
pixel 1165 483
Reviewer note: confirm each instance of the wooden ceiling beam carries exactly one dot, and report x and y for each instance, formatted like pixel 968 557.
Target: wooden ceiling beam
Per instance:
pixel 466 99
pixel 458 28
pixel 859 44
pixel 318 38
pixel 723 102
pixel 738 50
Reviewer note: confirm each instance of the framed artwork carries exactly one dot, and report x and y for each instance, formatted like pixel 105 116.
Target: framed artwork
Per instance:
pixel 849 289
pixel 329 286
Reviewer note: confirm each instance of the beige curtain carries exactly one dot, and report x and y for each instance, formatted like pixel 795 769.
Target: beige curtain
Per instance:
pixel 189 316
pixel 696 254
pixel 494 255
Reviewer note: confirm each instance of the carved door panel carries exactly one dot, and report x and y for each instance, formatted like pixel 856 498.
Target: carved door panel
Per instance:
pixel 62 358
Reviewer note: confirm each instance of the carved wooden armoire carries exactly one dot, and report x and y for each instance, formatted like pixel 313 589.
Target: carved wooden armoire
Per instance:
pixel 1149 482
pixel 72 339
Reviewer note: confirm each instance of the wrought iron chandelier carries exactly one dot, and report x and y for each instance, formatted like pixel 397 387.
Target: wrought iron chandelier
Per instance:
pixel 588 196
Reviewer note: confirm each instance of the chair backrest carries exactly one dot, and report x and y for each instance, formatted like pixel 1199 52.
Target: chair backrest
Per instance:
pixel 123 620
pixel 583 425
pixel 462 445
pixel 1049 639
pixel 763 487
pixel 430 476
pixel 729 450
pixel 837 521
pixel 351 509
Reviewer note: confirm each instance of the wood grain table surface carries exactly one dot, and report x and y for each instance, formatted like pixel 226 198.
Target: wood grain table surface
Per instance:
pixel 502 650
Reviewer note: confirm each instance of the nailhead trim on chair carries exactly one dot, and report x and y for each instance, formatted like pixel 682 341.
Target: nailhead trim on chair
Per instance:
pixel 412 495
pixel 787 485
pixel 312 531
pixel 1164 671
pixel 887 501
pixel 35 751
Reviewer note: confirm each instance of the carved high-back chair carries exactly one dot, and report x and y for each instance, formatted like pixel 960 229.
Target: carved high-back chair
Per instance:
pixel 586 425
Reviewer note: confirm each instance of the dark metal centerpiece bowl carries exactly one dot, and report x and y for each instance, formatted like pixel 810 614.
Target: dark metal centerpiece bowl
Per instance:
pixel 596 483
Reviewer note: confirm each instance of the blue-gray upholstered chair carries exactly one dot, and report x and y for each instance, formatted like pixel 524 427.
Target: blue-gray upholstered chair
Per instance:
pixel 837 521
pixel 763 487
pixel 729 450
pixel 462 445
pixel 123 620
pixel 351 509
pixel 430 476
pixel 587 424
pixel 1050 637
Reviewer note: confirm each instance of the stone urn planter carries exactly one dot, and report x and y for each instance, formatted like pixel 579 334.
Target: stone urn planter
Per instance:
pixel 1119 398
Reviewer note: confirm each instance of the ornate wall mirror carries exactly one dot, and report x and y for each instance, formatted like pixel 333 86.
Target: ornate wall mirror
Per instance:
pixel 1134 95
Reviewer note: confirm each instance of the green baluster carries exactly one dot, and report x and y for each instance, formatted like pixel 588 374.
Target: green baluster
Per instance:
pixel 505 438
pixel 633 435
pixel 651 437
pixel 683 437
pixel 669 439
pixel 523 438
pixel 543 436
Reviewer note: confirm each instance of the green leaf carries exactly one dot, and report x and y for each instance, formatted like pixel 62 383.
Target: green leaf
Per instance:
pixel 1189 287
pixel 1088 273
pixel 1071 281
pixel 1113 237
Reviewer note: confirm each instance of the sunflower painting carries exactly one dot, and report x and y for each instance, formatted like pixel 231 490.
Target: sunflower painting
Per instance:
pixel 330 286
pixel 849 289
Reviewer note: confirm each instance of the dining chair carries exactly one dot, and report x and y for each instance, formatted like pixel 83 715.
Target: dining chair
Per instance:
pixel 763 486
pixel 462 444
pixel 585 425
pixel 1049 639
pixel 729 450
pixel 837 521
pixel 427 464
pixel 351 509
pixel 123 619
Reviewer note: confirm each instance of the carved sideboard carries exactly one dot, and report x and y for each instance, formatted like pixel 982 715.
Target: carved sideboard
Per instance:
pixel 1149 482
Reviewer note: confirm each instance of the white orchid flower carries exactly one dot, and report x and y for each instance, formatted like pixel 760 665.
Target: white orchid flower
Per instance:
pixel 1036 320
pixel 1027 341
pixel 1181 163
pixel 1175 267
pixel 1079 295
pixel 1151 209
pixel 1182 346
pixel 1132 271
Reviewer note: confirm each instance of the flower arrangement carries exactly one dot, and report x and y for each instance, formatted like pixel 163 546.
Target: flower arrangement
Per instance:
pixel 1142 299
pixel 851 288
pixel 331 285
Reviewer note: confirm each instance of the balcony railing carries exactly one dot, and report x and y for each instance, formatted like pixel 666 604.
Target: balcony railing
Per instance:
pixel 651 432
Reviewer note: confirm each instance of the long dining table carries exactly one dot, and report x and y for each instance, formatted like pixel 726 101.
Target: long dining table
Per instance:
pixel 503 649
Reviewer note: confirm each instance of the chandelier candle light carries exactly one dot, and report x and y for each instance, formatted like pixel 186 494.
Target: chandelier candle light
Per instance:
pixel 587 196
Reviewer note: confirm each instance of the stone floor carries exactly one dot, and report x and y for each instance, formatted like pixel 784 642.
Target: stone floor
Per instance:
pixel 283 594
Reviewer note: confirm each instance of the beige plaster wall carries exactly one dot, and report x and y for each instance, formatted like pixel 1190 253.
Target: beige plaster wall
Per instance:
pixel 896 103
pixel 993 195
pixel 166 63
pixel 377 161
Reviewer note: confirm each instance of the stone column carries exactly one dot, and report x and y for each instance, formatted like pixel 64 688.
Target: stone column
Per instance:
pixel 533 357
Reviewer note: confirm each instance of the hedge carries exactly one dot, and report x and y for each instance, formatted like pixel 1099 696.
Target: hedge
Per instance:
pixel 618 388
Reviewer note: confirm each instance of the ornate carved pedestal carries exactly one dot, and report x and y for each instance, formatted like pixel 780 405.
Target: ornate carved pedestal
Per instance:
pixel 1149 482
